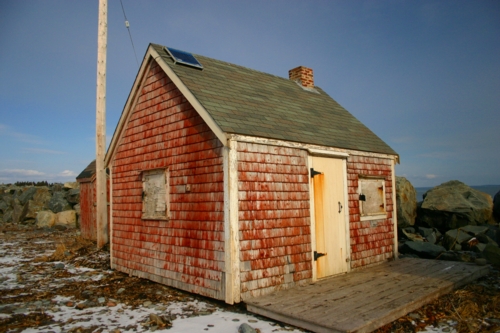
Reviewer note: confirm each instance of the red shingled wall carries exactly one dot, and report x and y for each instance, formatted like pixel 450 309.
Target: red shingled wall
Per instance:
pixel 88 226
pixel 274 218
pixel 186 251
pixel 371 241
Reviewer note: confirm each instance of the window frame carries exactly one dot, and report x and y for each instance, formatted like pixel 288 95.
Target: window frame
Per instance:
pixel 147 175
pixel 378 182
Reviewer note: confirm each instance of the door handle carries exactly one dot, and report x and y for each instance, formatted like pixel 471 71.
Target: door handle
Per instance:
pixel 340 207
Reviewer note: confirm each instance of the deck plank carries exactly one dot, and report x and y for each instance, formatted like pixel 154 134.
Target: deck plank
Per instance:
pixel 366 299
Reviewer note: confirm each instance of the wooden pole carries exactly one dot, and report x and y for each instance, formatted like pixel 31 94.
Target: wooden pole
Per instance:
pixel 101 198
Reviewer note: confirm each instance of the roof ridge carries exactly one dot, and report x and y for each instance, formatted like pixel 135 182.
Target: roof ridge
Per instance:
pixel 233 64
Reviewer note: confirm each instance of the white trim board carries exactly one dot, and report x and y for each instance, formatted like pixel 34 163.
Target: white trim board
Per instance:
pixel 311 148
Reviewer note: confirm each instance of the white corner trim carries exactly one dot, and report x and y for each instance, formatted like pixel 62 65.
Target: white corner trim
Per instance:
pixel 111 218
pixel 327 153
pixel 189 96
pixel 313 220
pixel 231 224
pixel 394 211
pixel 347 219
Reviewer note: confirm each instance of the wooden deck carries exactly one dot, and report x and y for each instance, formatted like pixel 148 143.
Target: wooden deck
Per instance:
pixel 363 300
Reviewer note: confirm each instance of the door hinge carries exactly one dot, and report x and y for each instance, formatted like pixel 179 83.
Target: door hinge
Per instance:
pixel 315 173
pixel 317 255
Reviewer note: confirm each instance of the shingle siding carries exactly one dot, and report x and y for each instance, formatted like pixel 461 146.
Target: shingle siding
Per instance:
pixel 274 218
pixel 187 251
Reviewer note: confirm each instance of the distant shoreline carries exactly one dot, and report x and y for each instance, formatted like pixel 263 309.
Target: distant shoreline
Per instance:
pixel 489 189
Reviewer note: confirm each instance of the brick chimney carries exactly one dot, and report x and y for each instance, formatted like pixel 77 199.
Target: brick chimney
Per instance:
pixel 303 75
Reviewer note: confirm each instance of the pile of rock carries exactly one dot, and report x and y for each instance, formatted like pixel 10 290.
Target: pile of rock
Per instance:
pixel 453 222
pixel 46 206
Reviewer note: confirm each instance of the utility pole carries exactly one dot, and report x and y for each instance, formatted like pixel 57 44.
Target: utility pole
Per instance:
pixel 100 139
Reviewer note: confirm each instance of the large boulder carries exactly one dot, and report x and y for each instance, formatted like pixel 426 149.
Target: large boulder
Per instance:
pixel 492 254
pixel 17 211
pixel 452 205
pixel 26 195
pixel 45 218
pixel 71 185
pixel 42 196
pixel 422 249
pixel 66 218
pixel 73 196
pixel 406 202
pixel 58 203
pixel 3 206
pixel 30 211
pixel 496 206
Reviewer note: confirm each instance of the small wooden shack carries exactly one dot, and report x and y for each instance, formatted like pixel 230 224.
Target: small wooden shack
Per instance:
pixel 87 218
pixel 233 183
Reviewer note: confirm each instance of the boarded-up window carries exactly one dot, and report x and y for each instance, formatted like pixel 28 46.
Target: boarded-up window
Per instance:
pixel 155 195
pixel 371 197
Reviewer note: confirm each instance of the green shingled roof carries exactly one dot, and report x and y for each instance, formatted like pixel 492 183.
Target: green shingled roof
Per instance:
pixel 249 102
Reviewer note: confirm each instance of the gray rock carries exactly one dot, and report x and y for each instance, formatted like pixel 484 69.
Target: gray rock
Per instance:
pixel 479 248
pixel 430 234
pixel 66 218
pixel 422 249
pixel 245 328
pixel 30 211
pixel 412 236
pixel 410 230
pixel 7 216
pixel 26 195
pixel 42 196
pixel 463 256
pixel 406 202
pixel 425 231
pixel 45 219
pixel 455 237
pixel 453 204
pixel 58 203
pixel 475 229
pixel 3 206
pixel 59 265
pixel 77 209
pixel 486 240
pixel 71 185
pixel 492 254
pixel 73 196
pixel 16 211
pixel 8 199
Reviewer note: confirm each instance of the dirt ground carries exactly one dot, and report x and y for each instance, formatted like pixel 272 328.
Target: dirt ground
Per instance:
pixel 47 272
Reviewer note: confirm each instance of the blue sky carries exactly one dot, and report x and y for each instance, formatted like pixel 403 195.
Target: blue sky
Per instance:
pixel 423 75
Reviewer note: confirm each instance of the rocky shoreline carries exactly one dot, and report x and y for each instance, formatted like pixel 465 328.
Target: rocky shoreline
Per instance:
pixel 56 205
pixel 453 222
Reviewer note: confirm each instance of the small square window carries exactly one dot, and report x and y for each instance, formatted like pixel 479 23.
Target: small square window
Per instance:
pixel 372 198
pixel 155 195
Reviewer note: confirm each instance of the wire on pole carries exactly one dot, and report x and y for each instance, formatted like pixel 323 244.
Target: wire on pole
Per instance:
pixel 127 25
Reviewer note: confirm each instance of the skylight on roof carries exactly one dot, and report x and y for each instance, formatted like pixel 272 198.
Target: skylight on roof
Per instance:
pixel 184 58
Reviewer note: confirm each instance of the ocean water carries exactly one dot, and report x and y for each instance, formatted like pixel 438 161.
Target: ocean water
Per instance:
pixel 489 189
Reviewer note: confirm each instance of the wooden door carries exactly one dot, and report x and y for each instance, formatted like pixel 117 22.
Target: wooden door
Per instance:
pixel 330 223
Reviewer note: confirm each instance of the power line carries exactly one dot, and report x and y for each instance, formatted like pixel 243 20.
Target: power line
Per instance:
pixel 129 33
